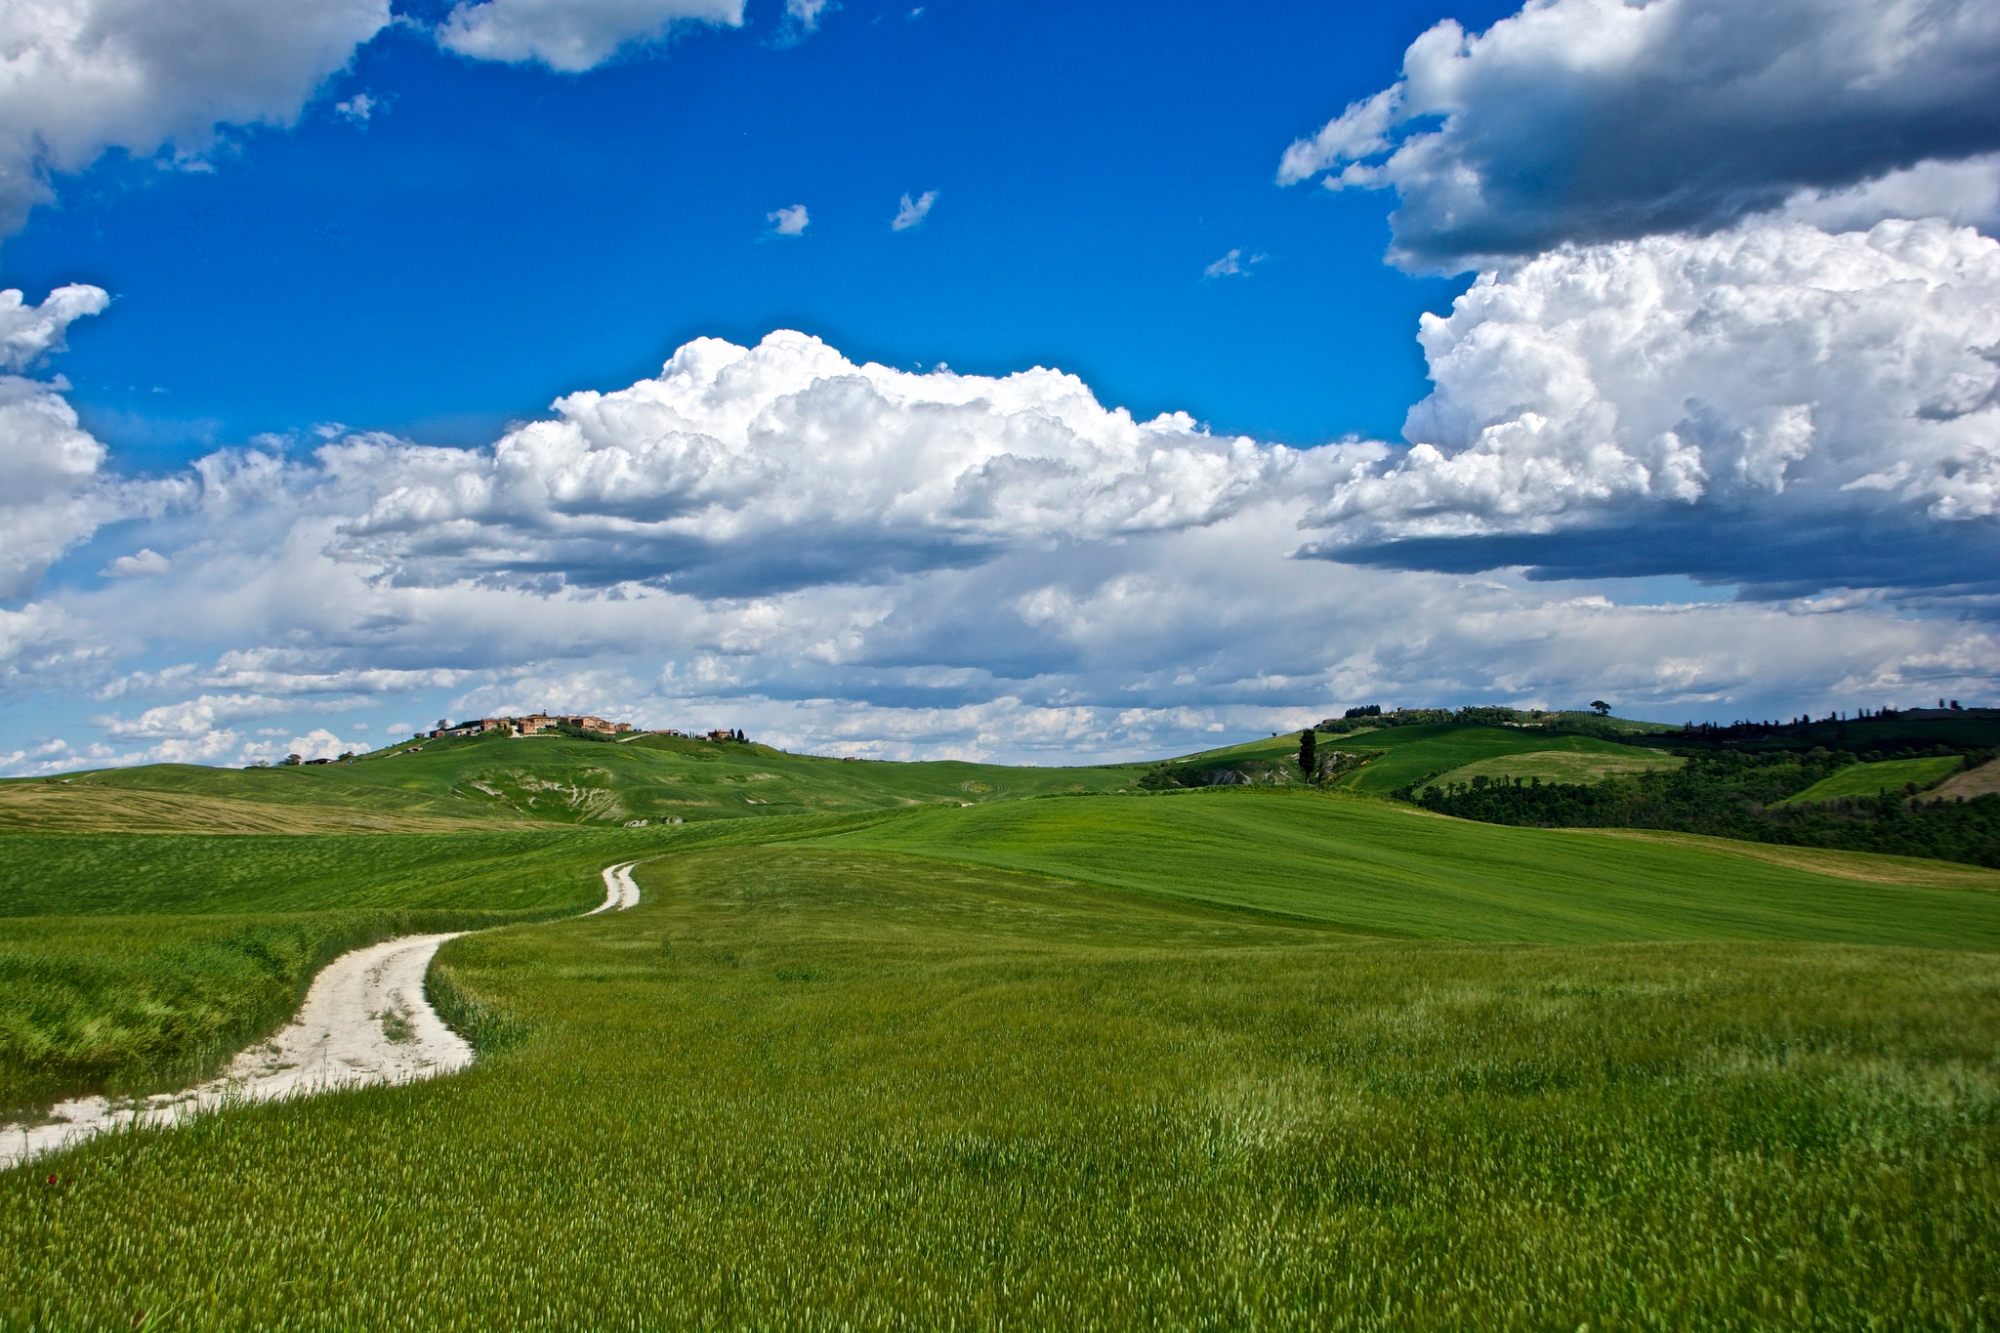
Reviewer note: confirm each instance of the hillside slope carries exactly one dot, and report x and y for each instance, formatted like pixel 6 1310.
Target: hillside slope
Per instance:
pixel 1379 868
pixel 499 781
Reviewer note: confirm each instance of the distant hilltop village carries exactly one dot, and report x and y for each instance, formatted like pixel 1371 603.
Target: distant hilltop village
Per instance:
pixel 529 725
pixel 536 723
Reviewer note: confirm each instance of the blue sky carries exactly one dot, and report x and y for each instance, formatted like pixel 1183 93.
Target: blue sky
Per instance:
pixel 496 235
pixel 1408 353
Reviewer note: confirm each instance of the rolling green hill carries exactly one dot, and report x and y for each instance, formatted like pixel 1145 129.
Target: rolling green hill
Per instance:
pixel 903 1046
pixel 1396 756
pixel 1413 753
pixel 499 781
pixel 1376 868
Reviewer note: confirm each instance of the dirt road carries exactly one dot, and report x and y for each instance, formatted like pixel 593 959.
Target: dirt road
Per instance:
pixel 365 1020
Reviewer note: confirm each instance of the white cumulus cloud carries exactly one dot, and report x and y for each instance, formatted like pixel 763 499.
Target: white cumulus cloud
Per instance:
pixel 319 743
pixel 572 36
pixel 848 558
pixel 49 497
pixel 791 220
pixel 358 108
pixel 1965 192
pixel 1784 386
pixel 142 563
pixel 1594 120
pixel 78 77
pixel 786 464
pixel 30 332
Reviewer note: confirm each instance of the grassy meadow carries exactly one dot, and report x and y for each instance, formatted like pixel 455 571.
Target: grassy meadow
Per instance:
pixel 1866 781
pixel 908 1054
pixel 517 782
pixel 1561 766
pixel 138 962
pixel 1389 870
pixel 1411 754
pixel 803 1087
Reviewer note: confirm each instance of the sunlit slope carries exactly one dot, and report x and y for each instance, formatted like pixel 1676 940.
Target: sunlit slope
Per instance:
pixel 801 1089
pixel 1379 868
pixel 503 781
pixel 1867 781
pixel 1574 766
pixel 1406 754
pixel 67 874
pixel 1418 752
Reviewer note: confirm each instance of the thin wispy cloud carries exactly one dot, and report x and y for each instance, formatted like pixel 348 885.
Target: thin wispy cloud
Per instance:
pixel 1235 264
pixel 913 211
pixel 802 16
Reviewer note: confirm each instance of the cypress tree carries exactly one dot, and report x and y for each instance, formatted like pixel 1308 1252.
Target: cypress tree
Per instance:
pixel 1308 760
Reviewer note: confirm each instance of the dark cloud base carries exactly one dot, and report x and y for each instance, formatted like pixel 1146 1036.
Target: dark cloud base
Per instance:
pixel 1766 557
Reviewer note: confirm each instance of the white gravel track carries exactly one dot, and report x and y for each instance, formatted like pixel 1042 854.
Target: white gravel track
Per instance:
pixel 365 1021
pixel 619 889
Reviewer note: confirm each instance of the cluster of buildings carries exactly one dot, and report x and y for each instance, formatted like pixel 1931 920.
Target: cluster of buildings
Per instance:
pixel 535 723
pixel 530 725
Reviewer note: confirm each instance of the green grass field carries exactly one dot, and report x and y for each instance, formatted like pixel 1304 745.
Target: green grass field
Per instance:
pixel 1866 781
pixel 1376 868
pixel 897 1052
pixel 525 781
pixel 1579 766
pixel 137 962
pixel 1397 756
pixel 1413 753
pixel 809 1088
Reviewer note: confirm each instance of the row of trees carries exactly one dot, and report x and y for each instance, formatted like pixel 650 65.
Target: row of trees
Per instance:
pixel 1737 795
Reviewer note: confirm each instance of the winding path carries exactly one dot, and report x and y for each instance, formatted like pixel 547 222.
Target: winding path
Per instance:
pixel 620 890
pixel 365 1021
